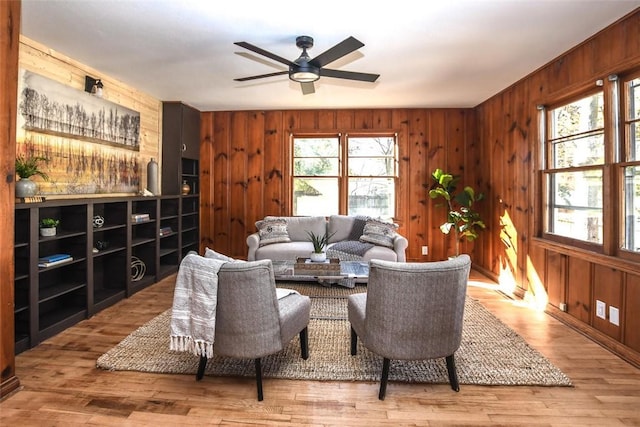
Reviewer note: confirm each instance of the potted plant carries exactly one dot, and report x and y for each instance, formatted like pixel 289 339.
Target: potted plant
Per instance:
pixel 461 218
pixel 319 243
pixel 48 226
pixel 26 167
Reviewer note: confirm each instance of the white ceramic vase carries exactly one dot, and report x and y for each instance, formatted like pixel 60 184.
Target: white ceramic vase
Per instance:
pixel 48 231
pixel 318 256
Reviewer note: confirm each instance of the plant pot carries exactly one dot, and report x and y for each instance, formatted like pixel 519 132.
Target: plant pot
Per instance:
pixel 318 256
pixel 26 188
pixel 48 232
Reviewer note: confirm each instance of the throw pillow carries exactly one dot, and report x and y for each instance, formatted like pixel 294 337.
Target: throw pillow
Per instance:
pixel 273 231
pixel 357 229
pixel 379 233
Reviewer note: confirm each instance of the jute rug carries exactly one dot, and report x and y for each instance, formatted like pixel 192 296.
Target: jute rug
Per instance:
pixel 490 354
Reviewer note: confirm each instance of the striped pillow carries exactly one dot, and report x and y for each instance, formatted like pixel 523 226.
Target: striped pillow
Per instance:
pixel 273 231
pixel 379 233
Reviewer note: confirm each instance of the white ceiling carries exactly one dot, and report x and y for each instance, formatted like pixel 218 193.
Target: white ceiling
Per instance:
pixel 447 53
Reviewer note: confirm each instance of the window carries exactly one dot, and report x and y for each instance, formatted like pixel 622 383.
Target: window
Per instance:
pixel 348 174
pixel 576 148
pixel 631 166
pixel 591 169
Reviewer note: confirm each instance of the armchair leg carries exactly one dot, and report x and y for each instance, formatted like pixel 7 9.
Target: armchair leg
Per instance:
pixel 304 343
pixel 453 375
pixel 259 378
pixel 384 378
pixel 354 342
pixel 201 366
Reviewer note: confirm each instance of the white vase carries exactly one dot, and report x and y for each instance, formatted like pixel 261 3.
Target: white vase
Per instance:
pixel 48 231
pixel 26 188
pixel 318 256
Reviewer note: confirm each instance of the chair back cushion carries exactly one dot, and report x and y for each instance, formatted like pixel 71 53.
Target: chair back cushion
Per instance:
pixel 415 310
pixel 247 318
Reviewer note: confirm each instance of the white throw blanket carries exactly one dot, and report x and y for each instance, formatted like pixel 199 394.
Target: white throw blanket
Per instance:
pixel 193 317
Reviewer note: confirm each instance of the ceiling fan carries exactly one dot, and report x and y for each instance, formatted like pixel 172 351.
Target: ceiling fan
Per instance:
pixel 305 70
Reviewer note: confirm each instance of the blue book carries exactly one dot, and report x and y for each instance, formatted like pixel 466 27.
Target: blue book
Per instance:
pixel 54 258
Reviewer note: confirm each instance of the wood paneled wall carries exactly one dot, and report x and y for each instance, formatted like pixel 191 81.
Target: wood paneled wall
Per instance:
pixel 246 167
pixel 9 32
pixel 509 142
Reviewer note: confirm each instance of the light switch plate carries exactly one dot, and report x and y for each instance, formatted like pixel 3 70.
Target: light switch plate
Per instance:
pixel 601 309
pixel 614 315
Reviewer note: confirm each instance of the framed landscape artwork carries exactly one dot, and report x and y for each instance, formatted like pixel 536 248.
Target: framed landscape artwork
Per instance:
pixel 92 145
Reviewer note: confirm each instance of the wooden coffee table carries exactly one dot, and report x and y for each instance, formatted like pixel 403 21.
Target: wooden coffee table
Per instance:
pixel 351 272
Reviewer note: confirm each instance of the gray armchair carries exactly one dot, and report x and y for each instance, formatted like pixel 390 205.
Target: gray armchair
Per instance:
pixel 411 311
pixel 251 322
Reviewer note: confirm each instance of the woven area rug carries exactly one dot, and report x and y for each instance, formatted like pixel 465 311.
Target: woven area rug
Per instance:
pixel 490 354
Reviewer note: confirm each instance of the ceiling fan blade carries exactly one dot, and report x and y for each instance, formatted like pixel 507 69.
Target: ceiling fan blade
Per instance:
pixel 343 48
pixel 308 88
pixel 261 76
pixel 263 52
pixel 351 75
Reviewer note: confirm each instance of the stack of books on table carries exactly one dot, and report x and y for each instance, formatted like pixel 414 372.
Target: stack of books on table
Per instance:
pixel 55 259
pixel 143 217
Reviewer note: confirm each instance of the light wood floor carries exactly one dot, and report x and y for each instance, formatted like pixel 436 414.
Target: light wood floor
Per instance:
pixel 61 385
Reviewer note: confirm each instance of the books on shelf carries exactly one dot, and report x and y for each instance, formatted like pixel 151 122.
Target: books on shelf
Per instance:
pixel 143 217
pixel 32 199
pixel 165 231
pixel 55 259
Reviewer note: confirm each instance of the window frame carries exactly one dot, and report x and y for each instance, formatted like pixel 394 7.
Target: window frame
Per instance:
pixel 343 163
pixel 616 146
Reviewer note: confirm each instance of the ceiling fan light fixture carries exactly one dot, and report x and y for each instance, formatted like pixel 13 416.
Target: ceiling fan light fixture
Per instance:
pixel 304 75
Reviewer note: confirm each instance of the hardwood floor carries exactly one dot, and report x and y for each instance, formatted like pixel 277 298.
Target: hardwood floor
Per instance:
pixel 61 385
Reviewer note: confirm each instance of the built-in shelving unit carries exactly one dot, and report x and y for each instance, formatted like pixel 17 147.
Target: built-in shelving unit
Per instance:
pixel 119 246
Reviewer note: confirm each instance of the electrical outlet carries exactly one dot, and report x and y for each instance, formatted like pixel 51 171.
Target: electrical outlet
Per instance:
pixel 601 309
pixel 425 250
pixel 614 315
pixel 563 306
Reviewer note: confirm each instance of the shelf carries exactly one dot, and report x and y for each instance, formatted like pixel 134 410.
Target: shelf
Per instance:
pixel 51 292
pixel 109 251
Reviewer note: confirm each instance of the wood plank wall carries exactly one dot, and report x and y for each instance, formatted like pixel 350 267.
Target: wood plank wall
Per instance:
pixel 49 63
pixel 247 168
pixel 508 133
pixel 9 32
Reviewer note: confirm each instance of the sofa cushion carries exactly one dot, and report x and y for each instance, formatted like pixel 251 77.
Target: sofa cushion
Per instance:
pixel 379 233
pixel 298 226
pixel 272 230
pixel 284 251
pixel 339 227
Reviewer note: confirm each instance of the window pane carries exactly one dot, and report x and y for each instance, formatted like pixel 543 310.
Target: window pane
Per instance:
pixel 315 196
pixel 371 167
pixel 575 205
pixel 579 151
pixel 315 147
pixel 372 196
pixel 634 99
pixel 634 141
pixel 584 115
pixel 371 146
pixel 631 197
pixel 315 167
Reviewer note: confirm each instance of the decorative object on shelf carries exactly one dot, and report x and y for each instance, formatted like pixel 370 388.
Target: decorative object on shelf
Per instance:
pixel 138 268
pixel 152 177
pixel 26 167
pixel 165 231
pixel 98 221
pixel 464 221
pixel 48 227
pixel 101 245
pixel 185 187
pixel 319 244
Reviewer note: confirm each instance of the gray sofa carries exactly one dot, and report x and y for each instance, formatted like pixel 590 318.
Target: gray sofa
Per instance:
pixel 352 238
